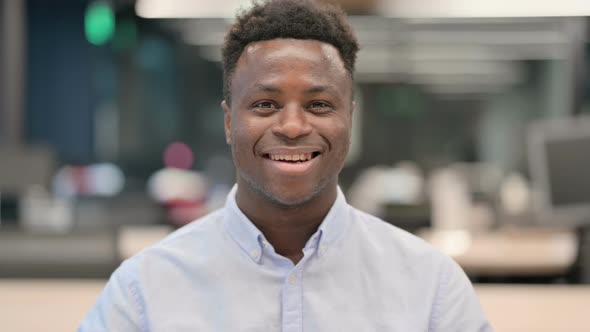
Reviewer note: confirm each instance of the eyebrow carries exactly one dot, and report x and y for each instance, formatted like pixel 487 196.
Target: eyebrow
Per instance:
pixel 322 88
pixel 312 90
pixel 266 88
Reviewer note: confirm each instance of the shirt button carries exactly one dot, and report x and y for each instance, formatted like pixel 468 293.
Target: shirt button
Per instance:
pixel 255 253
pixel 292 280
pixel 322 249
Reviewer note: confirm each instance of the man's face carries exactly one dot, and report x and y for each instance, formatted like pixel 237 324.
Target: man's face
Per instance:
pixel 289 122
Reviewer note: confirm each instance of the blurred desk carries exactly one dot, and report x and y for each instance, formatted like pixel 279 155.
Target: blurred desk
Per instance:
pixel 508 251
pixel 79 254
pixel 536 308
pixel 83 254
pixel 60 305
pixel 46 305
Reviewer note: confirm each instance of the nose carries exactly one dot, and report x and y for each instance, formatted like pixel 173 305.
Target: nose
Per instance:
pixel 292 123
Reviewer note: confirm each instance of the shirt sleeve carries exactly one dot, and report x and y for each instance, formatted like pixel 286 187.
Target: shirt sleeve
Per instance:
pixel 456 307
pixel 119 307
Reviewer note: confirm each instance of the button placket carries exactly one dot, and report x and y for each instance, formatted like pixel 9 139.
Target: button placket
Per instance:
pixel 292 315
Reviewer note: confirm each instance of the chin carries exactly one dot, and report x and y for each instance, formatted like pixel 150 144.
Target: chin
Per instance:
pixel 291 199
pixel 288 196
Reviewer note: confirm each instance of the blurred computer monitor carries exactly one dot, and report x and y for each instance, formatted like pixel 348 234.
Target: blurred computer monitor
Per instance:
pixel 24 166
pixel 559 161
pixel 21 168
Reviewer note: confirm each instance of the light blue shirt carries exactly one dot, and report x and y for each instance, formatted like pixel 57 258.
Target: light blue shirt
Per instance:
pixel 219 273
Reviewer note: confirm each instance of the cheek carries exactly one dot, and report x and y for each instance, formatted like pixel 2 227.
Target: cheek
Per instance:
pixel 245 133
pixel 240 144
pixel 339 135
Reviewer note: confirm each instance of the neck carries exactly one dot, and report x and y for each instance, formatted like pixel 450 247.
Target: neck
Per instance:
pixel 287 228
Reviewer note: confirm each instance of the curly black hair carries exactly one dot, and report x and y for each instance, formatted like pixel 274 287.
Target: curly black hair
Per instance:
pixel 297 19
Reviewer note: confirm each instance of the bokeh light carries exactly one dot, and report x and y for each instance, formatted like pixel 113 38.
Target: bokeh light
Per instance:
pixel 99 23
pixel 102 179
pixel 171 184
pixel 105 179
pixel 178 155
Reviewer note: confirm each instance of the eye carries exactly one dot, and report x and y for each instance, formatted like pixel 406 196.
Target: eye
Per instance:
pixel 264 107
pixel 318 104
pixel 320 107
pixel 263 104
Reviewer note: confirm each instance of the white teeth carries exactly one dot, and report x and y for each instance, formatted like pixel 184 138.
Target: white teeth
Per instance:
pixel 291 157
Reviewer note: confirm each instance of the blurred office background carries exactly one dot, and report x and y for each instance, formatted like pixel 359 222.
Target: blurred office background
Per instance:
pixel 472 130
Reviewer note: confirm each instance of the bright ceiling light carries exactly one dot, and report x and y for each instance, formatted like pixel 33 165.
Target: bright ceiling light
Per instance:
pixel 188 8
pixel 483 8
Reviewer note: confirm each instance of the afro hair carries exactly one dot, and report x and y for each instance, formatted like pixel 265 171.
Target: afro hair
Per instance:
pixel 296 19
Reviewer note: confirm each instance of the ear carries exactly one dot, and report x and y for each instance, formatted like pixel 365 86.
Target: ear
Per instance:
pixel 226 121
pixel 352 107
pixel 350 119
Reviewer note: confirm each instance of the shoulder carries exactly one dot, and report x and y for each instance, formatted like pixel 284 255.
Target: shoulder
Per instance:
pixel 382 232
pixel 202 228
pixel 188 244
pixel 393 242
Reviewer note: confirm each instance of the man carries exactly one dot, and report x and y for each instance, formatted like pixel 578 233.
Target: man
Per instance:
pixel 287 253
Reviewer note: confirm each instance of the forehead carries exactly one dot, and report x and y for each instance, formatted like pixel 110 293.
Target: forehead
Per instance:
pixel 279 58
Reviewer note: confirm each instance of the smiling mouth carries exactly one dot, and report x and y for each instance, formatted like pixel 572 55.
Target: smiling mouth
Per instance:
pixel 292 158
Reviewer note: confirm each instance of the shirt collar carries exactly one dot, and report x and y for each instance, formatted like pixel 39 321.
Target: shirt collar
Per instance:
pixel 252 241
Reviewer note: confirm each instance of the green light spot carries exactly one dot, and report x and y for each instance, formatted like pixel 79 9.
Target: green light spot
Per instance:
pixel 99 23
